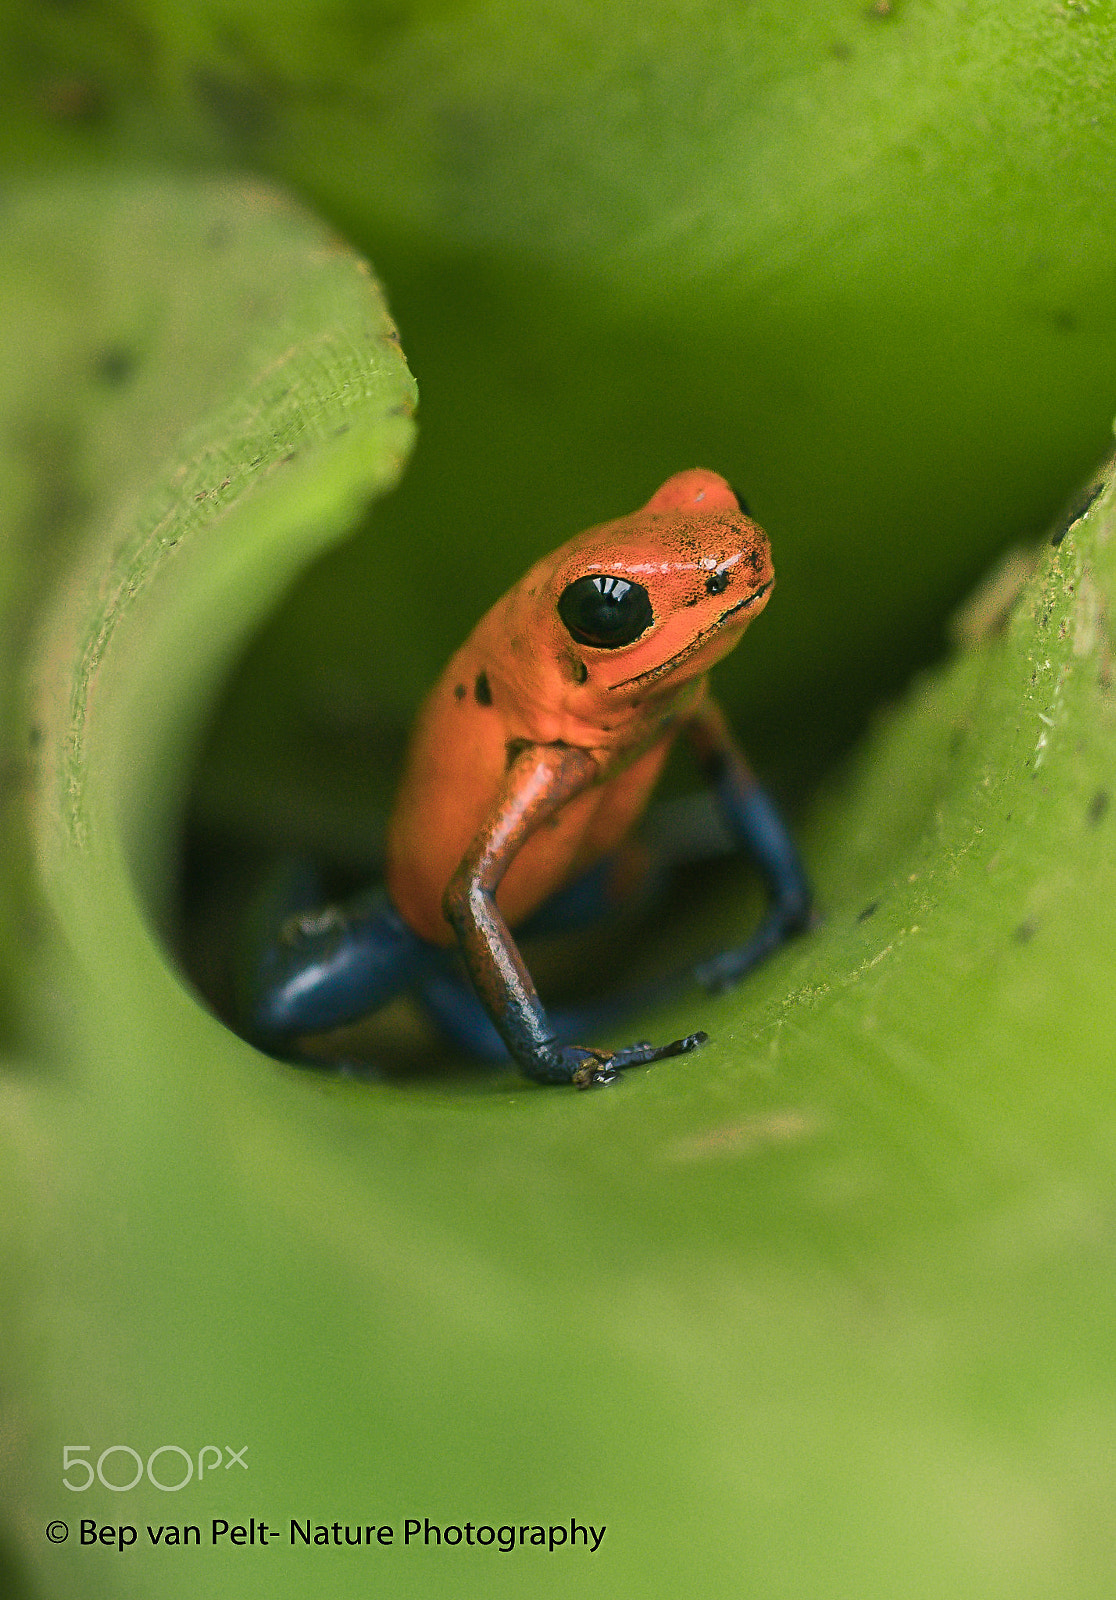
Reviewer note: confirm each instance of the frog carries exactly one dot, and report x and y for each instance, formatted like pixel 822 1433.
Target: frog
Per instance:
pixel 530 764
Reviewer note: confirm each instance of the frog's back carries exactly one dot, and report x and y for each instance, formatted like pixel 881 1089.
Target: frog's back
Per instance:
pixel 454 768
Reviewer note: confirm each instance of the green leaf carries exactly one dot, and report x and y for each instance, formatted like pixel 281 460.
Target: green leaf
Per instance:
pixel 825 1310
pixel 795 1279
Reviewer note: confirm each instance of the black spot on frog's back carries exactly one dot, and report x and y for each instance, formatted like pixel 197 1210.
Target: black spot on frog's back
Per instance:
pixel 482 690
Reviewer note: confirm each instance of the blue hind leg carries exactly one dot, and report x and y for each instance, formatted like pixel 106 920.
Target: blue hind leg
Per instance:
pixel 306 968
pixel 764 837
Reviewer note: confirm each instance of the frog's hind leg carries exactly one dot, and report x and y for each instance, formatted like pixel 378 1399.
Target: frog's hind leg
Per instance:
pixel 306 967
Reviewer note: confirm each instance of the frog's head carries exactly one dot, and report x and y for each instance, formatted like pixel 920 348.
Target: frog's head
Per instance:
pixel 658 597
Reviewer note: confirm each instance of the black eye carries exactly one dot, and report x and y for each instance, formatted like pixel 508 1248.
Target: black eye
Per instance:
pixel 605 612
pixel 716 583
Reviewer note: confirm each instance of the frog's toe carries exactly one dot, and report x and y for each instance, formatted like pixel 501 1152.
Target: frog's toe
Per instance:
pixel 606 1067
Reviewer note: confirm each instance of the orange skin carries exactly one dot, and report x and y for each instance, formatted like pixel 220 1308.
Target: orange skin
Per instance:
pixel 527 726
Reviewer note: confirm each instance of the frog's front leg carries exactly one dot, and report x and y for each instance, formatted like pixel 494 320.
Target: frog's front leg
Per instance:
pixel 756 824
pixel 306 967
pixel 539 782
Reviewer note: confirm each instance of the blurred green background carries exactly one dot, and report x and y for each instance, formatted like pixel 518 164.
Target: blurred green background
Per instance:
pixel 825 1312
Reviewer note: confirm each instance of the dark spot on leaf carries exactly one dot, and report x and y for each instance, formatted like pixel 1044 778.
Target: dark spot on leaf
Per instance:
pixel 114 365
pixel 243 110
pixel 34 736
pixel 482 690
pixel 1026 931
pixel 74 100
pixel 459 691
pixel 868 911
pixel 1098 806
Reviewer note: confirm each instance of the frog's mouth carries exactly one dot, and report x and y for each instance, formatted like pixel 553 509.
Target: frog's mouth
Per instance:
pixel 696 643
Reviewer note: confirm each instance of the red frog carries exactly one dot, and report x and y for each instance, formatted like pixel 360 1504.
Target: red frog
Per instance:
pixel 531 761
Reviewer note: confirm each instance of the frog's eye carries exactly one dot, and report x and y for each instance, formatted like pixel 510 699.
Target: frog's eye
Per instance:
pixel 605 612
pixel 716 583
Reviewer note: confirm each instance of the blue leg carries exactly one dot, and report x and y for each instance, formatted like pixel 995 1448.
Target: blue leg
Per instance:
pixel 451 1003
pixel 306 967
pixel 761 833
